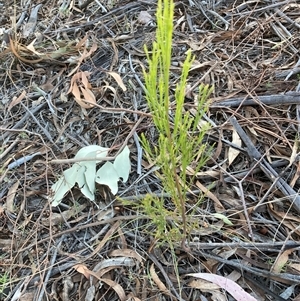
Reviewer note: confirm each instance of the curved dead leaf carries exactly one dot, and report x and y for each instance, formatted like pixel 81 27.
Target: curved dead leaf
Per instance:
pixel 281 261
pixel 10 207
pixel 82 269
pixel 218 205
pixel 118 79
pixel 132 298
pixel 126 253
pixel 17 100
pixel 80 88
pixel 203 285
pixel 230 286
pixel 88 96
pixel 85 80
pixel 233 153
pixel 115 286
pixel 158 282
pixel 114 262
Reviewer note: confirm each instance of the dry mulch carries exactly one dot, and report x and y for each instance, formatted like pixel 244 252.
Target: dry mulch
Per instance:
pixel 82 250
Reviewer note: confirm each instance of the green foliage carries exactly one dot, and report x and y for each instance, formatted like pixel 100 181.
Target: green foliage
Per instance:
pixel 4 280
pixel 163 219
pixel 180 139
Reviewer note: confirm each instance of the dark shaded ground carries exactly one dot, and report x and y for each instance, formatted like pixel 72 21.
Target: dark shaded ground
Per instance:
pixel 247 51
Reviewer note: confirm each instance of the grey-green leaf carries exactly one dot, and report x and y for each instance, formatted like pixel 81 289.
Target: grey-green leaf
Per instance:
pixel 107 175
pixel 122 164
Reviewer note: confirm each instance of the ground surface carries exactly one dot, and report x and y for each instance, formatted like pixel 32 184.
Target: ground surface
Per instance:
pixel 104 250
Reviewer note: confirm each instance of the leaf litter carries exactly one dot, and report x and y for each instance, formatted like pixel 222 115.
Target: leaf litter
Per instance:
pixel 62 63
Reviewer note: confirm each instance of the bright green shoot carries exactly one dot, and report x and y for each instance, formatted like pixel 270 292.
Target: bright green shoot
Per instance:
pixel 4 280
pixel 180 135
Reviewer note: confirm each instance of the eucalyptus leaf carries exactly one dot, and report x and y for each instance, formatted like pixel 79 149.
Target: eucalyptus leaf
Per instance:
pixel 107 175
pixel 223 218
pixel 87 192
pixel 80 179
pixel 122 164
pixel 90 175
pixel 60 188
pixel 64 184
pixel 84 173
pixel 92 151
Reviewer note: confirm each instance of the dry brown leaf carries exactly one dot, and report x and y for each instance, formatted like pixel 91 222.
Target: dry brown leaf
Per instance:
pixel 295 266
pixel 108 87
pixel 11 197
pixel 84 55
pixel 80 88
pixel 118 79
pixel 218 206
pixel 296 175
pixel 281 261
pixel 126 253
pixel 208 173
pixel 158 282
pixel 81 42
pixel 209 287
pixel 103 272
pixel 286 219
pixel 82 269
pixel 85 81
pixel 115 286
pixel 73 80
pixel 88 95
pixel 203 285
pixel 233 153
pixel 17 100
pixel 132 298
pixel 57 218
pixel 31 48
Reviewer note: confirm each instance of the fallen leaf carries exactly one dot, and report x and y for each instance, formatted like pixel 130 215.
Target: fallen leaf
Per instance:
pixel 233 153
pixel 281 261
pixel 230 286
pixel 158 282
pixel 82 269
pixel 122 164
pixel 218 205
pixel 115 286
pixel 80 88
pixel 144 17
pixel 107 175
pixel 17 100
pixel 118 79
pixel 11 197
pixel 126 253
